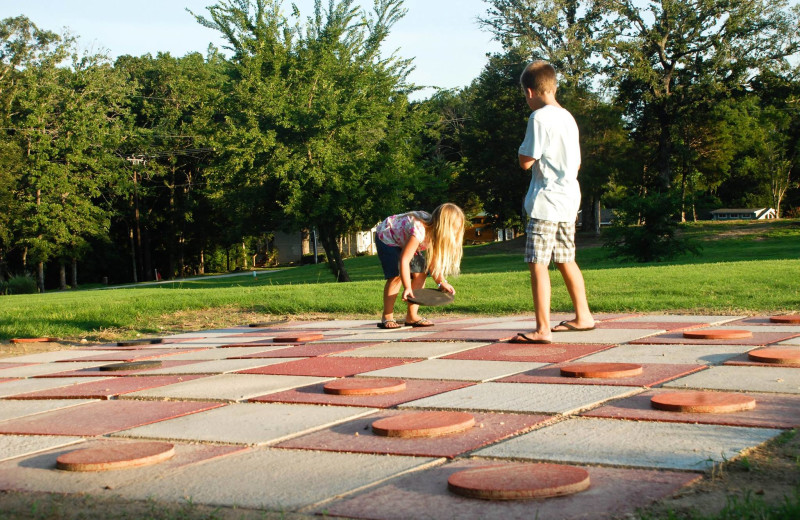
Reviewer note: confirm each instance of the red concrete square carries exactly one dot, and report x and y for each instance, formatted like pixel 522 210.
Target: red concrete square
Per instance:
pixel 771 411
pixel 140 354
pixel 105 389
pixel 307 350
pixel 653 325
pixel 4 379
pixel 753 321
pixel 356 436
pixel 676 338
pixel 314 394
pixel 103 417
pixel 652 374
pixel 329 366
pixel 469 335
pixel 613 492
pixel 14 365
pixel 553 353
pixel 96 372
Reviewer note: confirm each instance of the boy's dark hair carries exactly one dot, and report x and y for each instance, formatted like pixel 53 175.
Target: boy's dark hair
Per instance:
pixel 539 76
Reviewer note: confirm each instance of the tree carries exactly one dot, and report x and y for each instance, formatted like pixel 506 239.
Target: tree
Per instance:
pixel 316 117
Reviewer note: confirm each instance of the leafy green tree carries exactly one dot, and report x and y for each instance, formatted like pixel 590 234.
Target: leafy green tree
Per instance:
pixel 317 122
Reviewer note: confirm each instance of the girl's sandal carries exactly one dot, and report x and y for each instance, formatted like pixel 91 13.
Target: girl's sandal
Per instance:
pixel 389 324
pixel 422 322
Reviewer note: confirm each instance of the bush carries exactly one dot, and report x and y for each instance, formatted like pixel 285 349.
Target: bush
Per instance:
pixel 645 230
pixel 22 285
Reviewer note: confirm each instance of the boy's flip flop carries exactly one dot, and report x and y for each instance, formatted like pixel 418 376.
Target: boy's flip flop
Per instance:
pixel 431 297
pixel 570 327
pixel 524 338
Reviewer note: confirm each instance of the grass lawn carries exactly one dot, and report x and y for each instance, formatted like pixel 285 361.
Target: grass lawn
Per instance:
pixel 743 268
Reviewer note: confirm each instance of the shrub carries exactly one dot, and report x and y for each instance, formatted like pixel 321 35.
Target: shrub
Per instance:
pixel 22 285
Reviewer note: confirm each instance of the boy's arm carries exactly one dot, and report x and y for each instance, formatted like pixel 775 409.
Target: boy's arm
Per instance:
pixel 526 162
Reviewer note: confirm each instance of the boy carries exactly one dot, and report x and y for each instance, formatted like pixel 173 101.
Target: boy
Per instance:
pixel 552 150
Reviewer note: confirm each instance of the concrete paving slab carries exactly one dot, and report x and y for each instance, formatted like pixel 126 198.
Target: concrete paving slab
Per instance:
pixel 677 354
pixel 524 398
pixel 14 446
pixel 356 436
pixel 13 365
pixel 105 389
pixel 527 323
pixel 216 366
pixel 412 349
pixel 7 379
pixel 22 386
pixel 39 473
pixel 771 411
pixel 329 366
pixel 43 369
pixel 101 417
pixel 384 335
pixel 332 324
pixel 652 374
pixel 248 423
pixel 130 355
pixel 533 353
pixel 792 330
pixel 226 387
pixel 613 493
pixel 745 361
pixel 743 379
pixel 309 350
pixel 485 336
pixel 223 353
pixel 791 341
pixel 13 409
pixel 654 325
pixel 752 320
pixel 454 369
pixel 46 357
pixel 96 372
pixel 676 338
pixel 305 479
pixel 712 320
pixel 692 447
pixel 604 336
pixel 315 394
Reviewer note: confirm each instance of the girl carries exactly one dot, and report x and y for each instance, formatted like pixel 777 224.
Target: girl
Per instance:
pixel 401 238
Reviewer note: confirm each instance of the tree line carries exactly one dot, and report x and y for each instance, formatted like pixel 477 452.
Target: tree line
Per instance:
pixel 167 166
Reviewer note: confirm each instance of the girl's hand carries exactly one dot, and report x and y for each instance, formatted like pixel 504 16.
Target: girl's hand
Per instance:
pixel 408 293
pixel 446 287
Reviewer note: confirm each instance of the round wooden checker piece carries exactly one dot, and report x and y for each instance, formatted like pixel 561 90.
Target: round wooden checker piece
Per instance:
pixel 299 338
pixel 788 318
pixel 364 386
pixel 121 456
pixel 601 370
pixel 131 365
pixel 33 340
pixel 423 424
pixel 778 356
pixel 519 482
pixel 717 334
pixel 702 402
pixel 135 342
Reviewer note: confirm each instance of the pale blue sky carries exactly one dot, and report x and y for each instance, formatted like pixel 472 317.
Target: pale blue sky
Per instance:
pixel 443 36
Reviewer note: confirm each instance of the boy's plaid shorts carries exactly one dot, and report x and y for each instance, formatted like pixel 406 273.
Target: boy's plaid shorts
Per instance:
pixel 548 240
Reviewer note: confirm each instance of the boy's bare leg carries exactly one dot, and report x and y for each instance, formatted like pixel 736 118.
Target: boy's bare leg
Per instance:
pixel 417 282
pixel 390 291
pixel 573 279
pixel 540 287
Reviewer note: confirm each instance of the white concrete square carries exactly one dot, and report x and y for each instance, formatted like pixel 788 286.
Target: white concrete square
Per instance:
pixel 47 357
pixel 679 318
pixel 413 349
pixel 10 409
pixel 791 341
pixel 331 324
pixel 211 333
pixel 220 342
pixel 226 387
pixel 13 446
pixel 275 480
pixel 522 324
pixel 455 369
pixel 44 369
pixel 382 335
pixel 604 336
pixel 221 353
pixel 693 447
pixel 507 320
pixel 216 366
pixel 248 423
pixel 676 354
pixel 743 379
pixel 524 397
pixel 23 386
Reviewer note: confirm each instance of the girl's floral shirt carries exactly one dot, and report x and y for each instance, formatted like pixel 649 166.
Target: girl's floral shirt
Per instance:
pixel 398 229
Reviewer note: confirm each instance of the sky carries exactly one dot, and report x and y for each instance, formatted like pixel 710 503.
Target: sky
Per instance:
pixel 442 36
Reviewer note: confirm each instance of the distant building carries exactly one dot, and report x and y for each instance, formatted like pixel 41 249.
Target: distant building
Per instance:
pixel 481 231
pixel 743 214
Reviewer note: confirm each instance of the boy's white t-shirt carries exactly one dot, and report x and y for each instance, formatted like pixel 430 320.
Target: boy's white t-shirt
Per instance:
pixel 552 139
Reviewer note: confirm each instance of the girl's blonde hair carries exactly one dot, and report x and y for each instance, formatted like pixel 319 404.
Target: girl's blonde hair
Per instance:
pixel 445 230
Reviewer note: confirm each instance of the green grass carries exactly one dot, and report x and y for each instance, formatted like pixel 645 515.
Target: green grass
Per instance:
pixel 743 268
